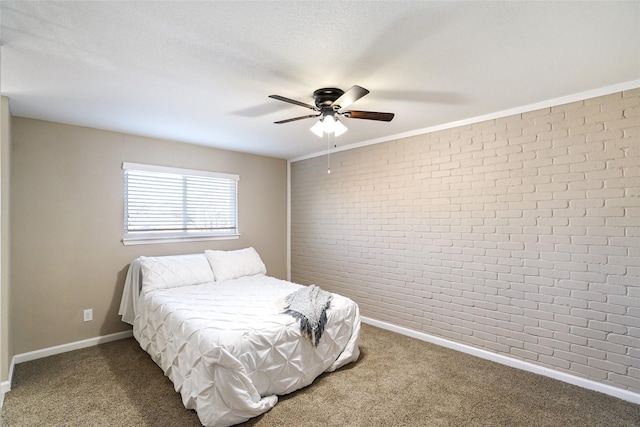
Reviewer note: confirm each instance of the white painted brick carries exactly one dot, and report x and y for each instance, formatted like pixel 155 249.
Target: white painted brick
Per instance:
pixel 554 309
pixel 588 129
pixel 571 303
pixel 607 308
pixel 540 115
pixel 570 338
pixel 590 352
pixel 630 261
pixel 593 226
pixel 538 332
pixel 631 271
pixel 606 116
pixel 496 347
pixel 555 326
pixel 622 359
pixel 625 380
pixel 524 354
pixel 572 230
pixel 571 357
pixel 524 321
pixel 495 234
pixel 570 266
pixel 588 314
pixel 539 349
pixel 590 240
pixel 538 298
pixel 555 362
pixel 582 108
pixel 607 366
pixel 547 287
pixel 555 274
pixel 606 135
pixel 609 288
pixel 568 122
pixel 608 173
pixel 589 296
pixel 627 221
pixel 589 333
pixel 588 276
pixel 554 133
pixel 589 371
pixel 630 320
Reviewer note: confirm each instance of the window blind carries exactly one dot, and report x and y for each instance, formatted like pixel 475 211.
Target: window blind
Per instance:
pixel 170 203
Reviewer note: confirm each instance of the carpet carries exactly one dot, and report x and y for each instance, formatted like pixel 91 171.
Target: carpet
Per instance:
pixel 398 381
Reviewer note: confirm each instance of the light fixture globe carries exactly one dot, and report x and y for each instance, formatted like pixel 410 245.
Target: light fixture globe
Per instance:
pixel 339 128
pixel 317 128
pixel 328 123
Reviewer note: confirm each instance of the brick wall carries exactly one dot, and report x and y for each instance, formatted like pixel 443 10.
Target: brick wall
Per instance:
pixel 519 235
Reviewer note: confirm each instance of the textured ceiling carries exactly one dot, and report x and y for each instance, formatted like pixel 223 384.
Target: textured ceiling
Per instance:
pixel 201 72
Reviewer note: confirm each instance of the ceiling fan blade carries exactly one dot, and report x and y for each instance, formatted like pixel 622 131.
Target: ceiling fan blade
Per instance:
pixel 297 118
pixel 369 115
pixel 293 101
pixel 354 93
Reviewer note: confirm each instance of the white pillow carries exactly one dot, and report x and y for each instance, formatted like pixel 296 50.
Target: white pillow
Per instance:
pixel 228 265
pixel 173 271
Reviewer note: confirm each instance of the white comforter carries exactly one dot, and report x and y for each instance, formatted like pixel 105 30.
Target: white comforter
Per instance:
pixel 229 351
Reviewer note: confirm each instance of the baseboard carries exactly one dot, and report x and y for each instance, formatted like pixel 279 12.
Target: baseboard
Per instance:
pixel 626 395
pixel 45 352
pixel 5 386
pixel 508 361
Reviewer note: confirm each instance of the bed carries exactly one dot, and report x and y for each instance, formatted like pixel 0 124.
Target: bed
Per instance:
pixel 217 326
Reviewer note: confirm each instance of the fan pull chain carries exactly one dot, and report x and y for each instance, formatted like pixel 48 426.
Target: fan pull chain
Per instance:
pixel 328 154
pixel 330 136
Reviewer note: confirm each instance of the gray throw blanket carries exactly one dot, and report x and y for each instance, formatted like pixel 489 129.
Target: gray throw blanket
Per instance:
pixel 309 305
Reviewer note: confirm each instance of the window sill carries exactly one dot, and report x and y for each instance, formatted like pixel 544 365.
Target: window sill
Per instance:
pixel 130 241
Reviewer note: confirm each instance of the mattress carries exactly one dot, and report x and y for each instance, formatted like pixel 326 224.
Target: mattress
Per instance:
pixel 229 350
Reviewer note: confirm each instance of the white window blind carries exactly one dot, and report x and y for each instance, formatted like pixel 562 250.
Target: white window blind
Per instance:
pixel 162 203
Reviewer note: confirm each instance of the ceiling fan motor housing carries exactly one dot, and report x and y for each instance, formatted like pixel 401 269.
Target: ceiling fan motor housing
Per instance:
pixel 325 97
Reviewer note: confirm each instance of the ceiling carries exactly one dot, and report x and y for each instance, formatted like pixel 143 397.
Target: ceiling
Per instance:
pixel 200 72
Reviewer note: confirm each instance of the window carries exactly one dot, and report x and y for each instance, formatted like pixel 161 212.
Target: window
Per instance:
pixel 170 204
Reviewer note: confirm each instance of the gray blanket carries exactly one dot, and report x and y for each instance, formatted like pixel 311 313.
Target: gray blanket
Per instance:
pixel 309 305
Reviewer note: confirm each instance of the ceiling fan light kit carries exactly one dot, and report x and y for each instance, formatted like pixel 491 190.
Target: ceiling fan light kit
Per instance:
pixel 328 124
pixel 329 103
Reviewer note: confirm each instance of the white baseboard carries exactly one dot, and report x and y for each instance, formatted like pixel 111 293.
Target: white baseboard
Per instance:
pixel 45 352
pixel 508 361
pixel 626 395
pixel 5 386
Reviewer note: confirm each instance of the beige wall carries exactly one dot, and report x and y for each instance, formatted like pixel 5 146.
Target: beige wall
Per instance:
pixel 67 219
pixel 5 157
pixel 519 235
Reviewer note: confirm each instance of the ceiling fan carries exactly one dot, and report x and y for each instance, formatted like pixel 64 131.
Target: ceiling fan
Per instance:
pixel 329 106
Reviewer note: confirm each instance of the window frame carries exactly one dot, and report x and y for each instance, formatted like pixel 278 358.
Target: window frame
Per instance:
pixel 155 237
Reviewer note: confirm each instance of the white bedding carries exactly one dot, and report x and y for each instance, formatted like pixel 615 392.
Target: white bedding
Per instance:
pixel 229 351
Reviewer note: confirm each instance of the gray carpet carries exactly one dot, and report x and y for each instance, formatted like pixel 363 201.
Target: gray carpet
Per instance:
pixel 398 381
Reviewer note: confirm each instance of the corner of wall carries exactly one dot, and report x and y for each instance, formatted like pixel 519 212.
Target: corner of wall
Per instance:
pixel 5 152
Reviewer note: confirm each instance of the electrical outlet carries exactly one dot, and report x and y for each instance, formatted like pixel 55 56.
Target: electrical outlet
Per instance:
pixel 88 315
